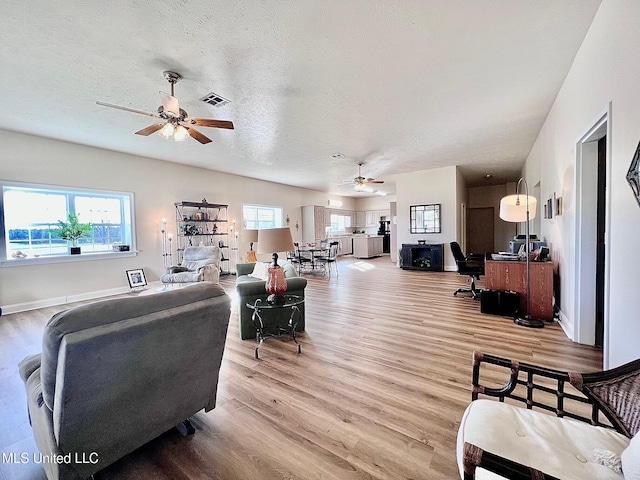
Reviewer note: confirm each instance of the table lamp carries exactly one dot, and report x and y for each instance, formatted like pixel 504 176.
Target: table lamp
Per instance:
pixel 275 240
pixel 250 236
pixel 522 208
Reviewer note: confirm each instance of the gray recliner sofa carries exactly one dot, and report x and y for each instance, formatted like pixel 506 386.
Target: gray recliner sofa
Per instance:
pixel 249 289
pixel 117 373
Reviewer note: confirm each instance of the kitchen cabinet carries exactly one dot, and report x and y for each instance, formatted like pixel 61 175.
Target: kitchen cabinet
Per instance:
pixel 313 223
pixel 358 219
pixel 344 244
pixel 385 213
pixel 345 247
pixel 327 217
pixel 367 247
pixel 372 217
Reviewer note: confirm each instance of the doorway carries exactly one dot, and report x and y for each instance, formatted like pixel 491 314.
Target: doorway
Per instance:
pixel 591 295
pixel 601 217
pixel 480 233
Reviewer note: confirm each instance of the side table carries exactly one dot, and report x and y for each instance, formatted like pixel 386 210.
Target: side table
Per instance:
pixel 265 331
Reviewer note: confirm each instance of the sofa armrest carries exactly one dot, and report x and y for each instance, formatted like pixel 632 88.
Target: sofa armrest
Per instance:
pixel 29 365
pixel 247 289
pixel 211 273
pixel 244 268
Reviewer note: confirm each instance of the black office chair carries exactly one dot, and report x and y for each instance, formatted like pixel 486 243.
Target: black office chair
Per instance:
pixel 472 265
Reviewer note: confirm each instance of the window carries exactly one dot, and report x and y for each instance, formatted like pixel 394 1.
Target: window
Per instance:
pixel 339 222
pixel 425 218
pixel 255 217
pixel 29 216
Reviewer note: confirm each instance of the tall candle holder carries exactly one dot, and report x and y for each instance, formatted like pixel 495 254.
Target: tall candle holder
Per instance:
pixel 233 260
pixel 166 243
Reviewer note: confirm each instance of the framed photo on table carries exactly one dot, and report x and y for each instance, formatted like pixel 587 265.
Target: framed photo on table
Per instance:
pixel 136 278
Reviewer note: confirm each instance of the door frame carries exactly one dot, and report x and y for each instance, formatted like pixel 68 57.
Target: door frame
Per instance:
pixel 584 307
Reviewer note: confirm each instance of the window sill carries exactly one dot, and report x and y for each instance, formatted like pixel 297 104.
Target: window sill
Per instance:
pixel 83 257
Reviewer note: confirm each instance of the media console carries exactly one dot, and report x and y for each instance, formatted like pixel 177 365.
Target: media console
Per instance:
pixel 427 256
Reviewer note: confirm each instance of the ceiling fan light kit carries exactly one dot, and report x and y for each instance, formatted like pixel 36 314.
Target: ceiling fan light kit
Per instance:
pixel 177 122
pixel 362 184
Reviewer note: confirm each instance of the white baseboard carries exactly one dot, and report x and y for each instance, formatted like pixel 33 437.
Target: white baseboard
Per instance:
pixel 566 325
pixel 80 297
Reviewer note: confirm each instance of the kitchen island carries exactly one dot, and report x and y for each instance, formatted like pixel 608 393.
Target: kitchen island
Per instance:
pixel 367 246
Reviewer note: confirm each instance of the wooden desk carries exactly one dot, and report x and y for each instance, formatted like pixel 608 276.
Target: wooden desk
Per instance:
pixel 508 275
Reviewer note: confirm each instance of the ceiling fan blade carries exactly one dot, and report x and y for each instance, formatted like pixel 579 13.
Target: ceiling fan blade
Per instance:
pixel 208 122
pixel 150 129
pixel 127 109
pixel 170 104
pixel 371 180
pixel 197 135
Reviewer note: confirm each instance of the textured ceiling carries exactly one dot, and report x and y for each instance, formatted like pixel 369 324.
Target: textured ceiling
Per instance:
pixel 400 85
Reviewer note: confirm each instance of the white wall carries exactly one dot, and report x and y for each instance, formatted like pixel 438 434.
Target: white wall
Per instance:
pixel 438 185
pixel 374 203
pixel 606 69
pixel 157 185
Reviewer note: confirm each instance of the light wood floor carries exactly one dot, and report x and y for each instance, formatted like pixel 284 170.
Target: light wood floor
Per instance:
pixel 377 392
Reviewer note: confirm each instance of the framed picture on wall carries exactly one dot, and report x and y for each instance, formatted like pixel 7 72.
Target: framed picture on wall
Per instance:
pixel 136 278
pixel 425 218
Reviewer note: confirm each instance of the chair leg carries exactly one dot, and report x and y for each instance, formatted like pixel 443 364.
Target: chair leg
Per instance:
pixel 475 292
pixel 190 428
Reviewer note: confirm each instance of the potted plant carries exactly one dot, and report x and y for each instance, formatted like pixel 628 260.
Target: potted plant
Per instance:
pixel 72 230
pixel 190 230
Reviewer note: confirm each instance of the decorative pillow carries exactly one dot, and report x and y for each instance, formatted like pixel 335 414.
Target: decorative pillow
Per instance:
pixel 260 270
pixel 631 459
pixel 178 269
pixel 607 458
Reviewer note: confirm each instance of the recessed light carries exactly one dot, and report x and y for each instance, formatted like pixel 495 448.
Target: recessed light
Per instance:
pixel 488 176
pixel 336 155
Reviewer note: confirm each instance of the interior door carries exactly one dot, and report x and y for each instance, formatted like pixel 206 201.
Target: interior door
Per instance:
pixel 480 230
pixel 600 245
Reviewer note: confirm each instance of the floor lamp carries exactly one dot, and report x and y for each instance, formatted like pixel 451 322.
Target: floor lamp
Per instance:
pixel 522 208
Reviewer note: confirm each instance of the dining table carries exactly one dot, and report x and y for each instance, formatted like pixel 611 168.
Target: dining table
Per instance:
pixel 314 251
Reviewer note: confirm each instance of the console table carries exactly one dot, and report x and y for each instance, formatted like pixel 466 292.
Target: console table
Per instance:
pixel 423 256
pixel 510 275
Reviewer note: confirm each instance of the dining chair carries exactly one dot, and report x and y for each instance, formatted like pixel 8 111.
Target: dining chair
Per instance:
pixel 303 260
pixel 330 258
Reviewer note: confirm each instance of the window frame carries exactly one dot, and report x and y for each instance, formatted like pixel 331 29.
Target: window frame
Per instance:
pixel 68 192
pixel 346 222
pixel 278 223
pixel 425 230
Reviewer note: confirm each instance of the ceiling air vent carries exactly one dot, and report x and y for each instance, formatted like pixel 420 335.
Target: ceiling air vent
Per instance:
pixel 215 99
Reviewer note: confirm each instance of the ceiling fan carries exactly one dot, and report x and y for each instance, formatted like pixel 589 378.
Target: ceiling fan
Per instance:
pixel 175 122
pixel 361 184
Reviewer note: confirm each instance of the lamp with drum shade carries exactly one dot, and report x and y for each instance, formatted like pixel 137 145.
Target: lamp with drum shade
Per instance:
pixel 522 208
pixel 250 236
pixel 274 240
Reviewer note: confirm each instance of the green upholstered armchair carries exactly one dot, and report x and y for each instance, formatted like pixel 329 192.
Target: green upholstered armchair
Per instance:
pixel 250 288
